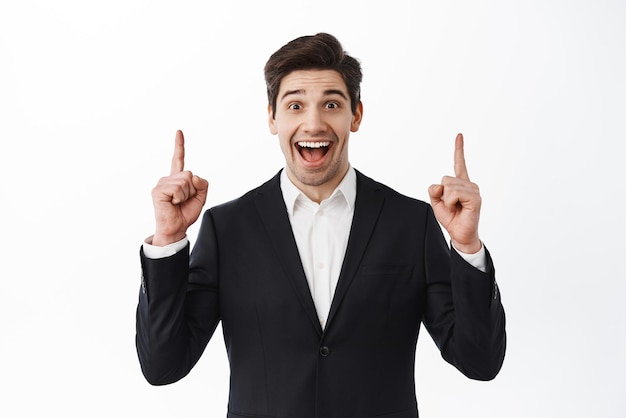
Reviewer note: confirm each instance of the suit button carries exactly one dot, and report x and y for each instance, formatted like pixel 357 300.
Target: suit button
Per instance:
pixel 324 351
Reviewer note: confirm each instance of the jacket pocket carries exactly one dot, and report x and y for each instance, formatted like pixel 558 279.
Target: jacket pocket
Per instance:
pixel 388 269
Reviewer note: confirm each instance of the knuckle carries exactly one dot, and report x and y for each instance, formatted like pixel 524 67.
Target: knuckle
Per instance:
pixel 163 180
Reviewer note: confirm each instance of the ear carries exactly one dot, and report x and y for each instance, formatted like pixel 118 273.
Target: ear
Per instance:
pixel 271 120
pixel 357 117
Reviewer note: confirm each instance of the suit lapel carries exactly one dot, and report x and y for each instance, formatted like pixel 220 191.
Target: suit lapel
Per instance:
pixel 369 202
pixel 271 207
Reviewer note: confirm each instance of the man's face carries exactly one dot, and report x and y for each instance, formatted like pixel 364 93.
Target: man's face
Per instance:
pixel 313 121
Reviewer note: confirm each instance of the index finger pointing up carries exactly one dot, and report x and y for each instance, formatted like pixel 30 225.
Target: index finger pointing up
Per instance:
pixel 460 170
pixel 178 160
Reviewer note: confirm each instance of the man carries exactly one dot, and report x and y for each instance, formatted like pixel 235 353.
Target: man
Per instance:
pixel 321 276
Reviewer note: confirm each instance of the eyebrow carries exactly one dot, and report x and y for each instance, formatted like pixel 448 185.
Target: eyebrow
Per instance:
pixel 329 92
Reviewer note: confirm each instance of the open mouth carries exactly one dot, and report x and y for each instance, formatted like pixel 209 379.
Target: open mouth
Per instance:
pixel 313 151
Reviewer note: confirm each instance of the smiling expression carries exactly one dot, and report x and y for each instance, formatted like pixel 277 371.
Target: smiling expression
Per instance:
pixel 313 121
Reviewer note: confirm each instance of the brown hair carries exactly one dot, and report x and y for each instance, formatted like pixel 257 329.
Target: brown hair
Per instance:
pixel 313 52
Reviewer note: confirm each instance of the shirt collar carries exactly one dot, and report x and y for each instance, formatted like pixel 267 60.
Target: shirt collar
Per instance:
pixel 347 189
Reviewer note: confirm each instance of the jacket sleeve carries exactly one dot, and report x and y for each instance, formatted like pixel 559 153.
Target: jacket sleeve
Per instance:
pixel 178 308
pixel 464 314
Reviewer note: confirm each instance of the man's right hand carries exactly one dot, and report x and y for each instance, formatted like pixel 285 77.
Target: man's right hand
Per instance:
pixel 178 199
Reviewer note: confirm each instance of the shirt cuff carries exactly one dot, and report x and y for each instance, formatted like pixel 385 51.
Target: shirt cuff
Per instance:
pixel 478 260
pixel 155 252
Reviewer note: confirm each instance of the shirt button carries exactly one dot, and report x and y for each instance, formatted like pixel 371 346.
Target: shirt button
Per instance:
pixel 320 213
pixel 324 351
pixel 320 265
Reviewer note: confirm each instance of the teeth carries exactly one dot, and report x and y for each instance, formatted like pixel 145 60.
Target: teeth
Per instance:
pixel 308 144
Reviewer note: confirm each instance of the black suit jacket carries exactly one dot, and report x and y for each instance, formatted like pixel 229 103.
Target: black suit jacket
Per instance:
pixel 245 270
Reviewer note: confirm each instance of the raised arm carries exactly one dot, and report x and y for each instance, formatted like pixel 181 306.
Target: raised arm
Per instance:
pixel 176 314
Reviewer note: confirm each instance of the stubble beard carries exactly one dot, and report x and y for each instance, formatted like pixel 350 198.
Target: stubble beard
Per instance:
pixel 323 176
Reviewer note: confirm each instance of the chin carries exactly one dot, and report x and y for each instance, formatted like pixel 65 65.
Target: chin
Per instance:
pixel 312 180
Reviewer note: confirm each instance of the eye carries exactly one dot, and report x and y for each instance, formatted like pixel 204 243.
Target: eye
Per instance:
pixel 294 106
pixel 332 105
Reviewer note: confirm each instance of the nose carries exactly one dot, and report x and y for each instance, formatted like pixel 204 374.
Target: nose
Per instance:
pixel 313 121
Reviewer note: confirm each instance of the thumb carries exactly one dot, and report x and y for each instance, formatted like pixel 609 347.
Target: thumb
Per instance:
pixel 435 192
pixel 201 186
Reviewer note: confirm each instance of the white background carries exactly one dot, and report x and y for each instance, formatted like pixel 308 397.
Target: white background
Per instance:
pixel 91 94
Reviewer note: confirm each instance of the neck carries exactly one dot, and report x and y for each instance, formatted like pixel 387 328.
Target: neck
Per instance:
pixel 318 193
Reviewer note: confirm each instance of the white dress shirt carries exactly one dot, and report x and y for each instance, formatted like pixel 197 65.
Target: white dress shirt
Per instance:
pixel 321 232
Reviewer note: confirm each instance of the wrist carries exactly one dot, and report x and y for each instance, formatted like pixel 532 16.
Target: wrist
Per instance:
pixel 468 248
pixel 161 240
